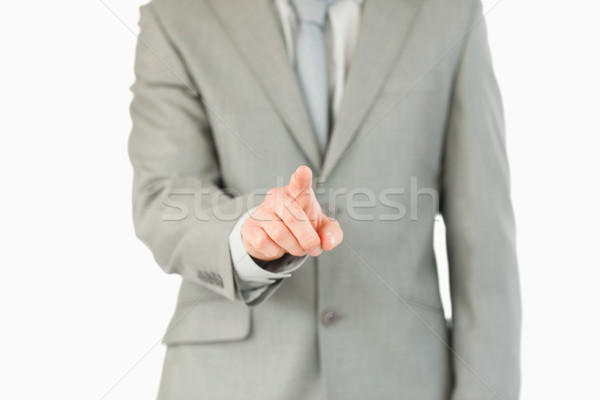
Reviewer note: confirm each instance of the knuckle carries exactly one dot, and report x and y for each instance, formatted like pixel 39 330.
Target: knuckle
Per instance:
pixel 290 219
pixel 263 218
pixel 275 192
pixel 278 233
pixel 246 226
pixel 271 196
pixel 293 208
pixel 256 217
pixel 261 242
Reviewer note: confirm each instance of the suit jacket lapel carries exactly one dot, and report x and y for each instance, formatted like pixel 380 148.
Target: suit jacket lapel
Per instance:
pixel 255 30
pixel 384 28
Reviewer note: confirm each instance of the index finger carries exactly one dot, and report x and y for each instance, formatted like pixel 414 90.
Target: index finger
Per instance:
pixel 300 182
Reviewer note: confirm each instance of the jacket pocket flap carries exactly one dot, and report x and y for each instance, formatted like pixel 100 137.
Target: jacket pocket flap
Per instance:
pixel 211 321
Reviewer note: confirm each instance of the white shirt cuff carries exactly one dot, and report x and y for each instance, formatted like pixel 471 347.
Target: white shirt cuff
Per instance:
pixel 251 275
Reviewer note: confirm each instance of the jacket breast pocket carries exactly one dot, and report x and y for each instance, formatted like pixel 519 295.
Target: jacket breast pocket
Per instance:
pixel 407 82
pixel 207 319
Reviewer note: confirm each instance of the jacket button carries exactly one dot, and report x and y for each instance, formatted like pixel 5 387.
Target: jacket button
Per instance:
pixel 329 318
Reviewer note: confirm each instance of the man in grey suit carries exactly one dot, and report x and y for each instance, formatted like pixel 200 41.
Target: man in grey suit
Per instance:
pixel 290 158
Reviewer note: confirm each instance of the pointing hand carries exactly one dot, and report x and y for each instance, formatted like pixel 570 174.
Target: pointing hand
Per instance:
pixel 290 220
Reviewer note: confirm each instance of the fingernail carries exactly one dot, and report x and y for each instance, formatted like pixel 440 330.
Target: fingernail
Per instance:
pixel 316 252
pixel 332 238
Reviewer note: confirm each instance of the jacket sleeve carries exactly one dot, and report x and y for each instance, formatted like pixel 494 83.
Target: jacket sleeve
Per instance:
pixel 179 209
pixel 477 211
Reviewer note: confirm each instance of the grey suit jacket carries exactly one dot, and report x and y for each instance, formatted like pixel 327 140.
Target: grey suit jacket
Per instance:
pixel 217 106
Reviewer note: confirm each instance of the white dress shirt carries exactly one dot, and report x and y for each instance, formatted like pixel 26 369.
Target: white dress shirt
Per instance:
pixel 341 34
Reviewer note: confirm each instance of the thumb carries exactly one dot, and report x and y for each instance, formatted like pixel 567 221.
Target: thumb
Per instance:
pixel 330 232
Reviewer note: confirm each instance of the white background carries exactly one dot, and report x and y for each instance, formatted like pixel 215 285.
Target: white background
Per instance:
pixel 83 305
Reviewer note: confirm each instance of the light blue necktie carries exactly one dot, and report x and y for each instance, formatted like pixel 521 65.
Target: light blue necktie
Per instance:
pixel 311 63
